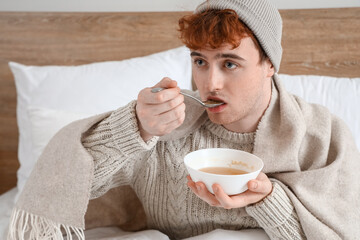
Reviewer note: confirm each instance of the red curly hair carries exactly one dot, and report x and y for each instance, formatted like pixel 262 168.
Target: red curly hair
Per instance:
pixel 214 28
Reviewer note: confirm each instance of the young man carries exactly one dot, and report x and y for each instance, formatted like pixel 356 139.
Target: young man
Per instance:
pixel 307 188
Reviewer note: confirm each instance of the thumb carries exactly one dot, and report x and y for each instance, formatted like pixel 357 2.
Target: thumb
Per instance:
pixel 260 186
pixel 166 83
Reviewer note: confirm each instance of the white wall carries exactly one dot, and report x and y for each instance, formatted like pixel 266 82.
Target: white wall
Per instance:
pixel 149 5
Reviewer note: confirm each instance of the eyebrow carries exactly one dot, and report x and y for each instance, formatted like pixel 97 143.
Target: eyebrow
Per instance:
pixel 220 55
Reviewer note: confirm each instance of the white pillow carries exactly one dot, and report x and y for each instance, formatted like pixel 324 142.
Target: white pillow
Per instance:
pixel 45 123
pixel 77 91
pixel 340 95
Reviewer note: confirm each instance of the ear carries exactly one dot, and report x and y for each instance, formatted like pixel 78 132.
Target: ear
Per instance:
pixel 269 68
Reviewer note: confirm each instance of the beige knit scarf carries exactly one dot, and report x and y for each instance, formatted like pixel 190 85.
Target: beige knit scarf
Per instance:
pixel 310 152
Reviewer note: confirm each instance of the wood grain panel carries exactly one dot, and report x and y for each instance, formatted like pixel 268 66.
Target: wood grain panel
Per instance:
pixel 78 38
pixel 316 41
pixel 321 42
pixel 8 168
pixel 69 39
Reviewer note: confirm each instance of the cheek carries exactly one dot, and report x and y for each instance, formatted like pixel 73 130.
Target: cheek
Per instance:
pixel 243 82
pixel 245 88
pixel 198 79
pixel 255 77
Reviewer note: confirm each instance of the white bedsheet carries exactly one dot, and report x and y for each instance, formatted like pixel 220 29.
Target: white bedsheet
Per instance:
pixel 114 233
pixel 6 205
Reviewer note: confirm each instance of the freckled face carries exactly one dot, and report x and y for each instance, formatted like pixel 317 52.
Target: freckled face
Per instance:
pixel 235 77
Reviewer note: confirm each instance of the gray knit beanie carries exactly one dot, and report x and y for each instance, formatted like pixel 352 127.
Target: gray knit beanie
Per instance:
pixel 261 17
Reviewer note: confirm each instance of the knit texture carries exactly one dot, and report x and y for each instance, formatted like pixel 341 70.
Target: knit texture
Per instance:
pixel 308 152
pixel 159 179
pixel 262 17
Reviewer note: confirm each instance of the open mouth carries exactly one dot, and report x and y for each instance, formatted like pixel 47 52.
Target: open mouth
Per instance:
pixel 215 100
pixel 219 108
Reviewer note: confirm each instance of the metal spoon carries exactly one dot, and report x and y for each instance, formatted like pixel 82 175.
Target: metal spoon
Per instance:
pixel 208 103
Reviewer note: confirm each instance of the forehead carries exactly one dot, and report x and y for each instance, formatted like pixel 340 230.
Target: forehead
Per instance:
pixel 246 47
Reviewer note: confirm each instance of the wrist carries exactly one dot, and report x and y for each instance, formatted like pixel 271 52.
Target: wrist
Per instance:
pixel 125 131
pixel 277 206
pixel 143 133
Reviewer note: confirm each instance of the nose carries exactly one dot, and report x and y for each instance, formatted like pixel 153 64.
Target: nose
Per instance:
pixel 215 80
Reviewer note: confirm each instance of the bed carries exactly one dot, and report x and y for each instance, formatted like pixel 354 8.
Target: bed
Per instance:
pixel 321 63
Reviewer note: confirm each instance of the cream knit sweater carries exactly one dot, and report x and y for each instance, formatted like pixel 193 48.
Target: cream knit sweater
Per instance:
pixel 308 153
pixel 156 172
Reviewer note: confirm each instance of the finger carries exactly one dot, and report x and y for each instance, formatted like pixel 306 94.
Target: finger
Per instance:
pixel 166 82
pixel 224 199
pixel 191 184
pixel 177 113
pixel 169 127
pixel 261 184
pixel 167 106
pixel 246 198
pixel 174 124
pixel 204 194
pixel 236 201
pixel 159 125
pixel 148 97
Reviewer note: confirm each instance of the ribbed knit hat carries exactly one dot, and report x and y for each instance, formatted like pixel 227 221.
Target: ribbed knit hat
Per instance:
pixel 261 17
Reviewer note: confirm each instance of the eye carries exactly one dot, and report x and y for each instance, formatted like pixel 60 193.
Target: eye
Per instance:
pixel 230 65
pixel 199 62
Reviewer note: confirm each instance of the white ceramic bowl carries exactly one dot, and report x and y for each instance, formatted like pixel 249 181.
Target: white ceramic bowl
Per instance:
pixel 223 157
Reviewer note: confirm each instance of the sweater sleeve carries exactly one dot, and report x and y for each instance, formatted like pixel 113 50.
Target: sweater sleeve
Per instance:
pixel 277 216
pixel 116 146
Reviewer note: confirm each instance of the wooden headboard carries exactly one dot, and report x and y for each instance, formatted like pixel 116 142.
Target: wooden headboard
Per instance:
pixel 317 41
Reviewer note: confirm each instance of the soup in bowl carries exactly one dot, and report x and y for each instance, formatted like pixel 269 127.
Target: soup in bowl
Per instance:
pixel 230 168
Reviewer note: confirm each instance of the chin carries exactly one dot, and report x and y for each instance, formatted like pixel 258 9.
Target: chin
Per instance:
pixel 221 120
